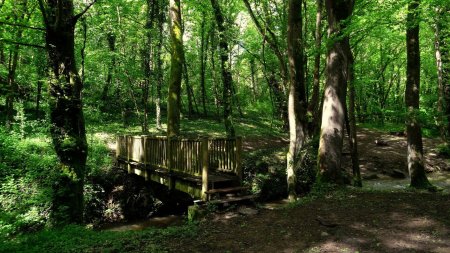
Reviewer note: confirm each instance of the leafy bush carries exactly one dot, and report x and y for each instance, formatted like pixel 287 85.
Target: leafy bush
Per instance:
pixel 26 176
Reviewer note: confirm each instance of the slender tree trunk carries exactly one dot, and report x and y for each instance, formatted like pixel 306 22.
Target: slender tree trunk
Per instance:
pixel 333 116
pixel 147 61
pixel 83 48
pixel 159 63
pixel 412 94
pixel 66 110
pixel 353 140
pixel 297 95
pixel 189 91
pixel 111 38
pixel 176 69
pixel 12 67
pixel 226 74
pixel 253 74
pixel 313 108
pixel 202 63
pixel 440 103
pixel 214 76
pixel 442 49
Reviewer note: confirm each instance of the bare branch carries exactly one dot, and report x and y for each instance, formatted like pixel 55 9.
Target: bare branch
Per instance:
pixel 21 25
pixel 78 16
pixel 22 43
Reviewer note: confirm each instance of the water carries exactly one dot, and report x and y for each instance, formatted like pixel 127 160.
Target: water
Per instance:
pixel 156 222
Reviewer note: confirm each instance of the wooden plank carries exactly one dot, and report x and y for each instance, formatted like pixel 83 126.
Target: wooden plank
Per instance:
pixel 226 190
pixel 233 199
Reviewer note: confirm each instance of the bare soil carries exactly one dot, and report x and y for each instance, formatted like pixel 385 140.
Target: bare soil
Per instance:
pixel 352 220
pixel 357 222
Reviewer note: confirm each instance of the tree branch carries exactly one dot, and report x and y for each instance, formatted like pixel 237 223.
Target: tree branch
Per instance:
pixel 44 13
pixel 21 25
pixel 78 16
pixel 22 43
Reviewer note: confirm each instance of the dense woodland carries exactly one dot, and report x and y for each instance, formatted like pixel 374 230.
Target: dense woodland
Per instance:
pixel 75 73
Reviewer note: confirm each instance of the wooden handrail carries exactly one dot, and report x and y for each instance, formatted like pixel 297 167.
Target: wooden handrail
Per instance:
pixel 180 154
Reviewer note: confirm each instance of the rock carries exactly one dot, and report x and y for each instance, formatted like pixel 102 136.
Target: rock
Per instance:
pixel 247 211
pixel 381 143
pixel 370 176
pixel 396 173
pixel 195 212
pixel 324 234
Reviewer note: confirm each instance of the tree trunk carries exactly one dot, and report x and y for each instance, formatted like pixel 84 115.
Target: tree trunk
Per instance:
pixel 147 61
pixel 226 74
pixel 189 91
pixel 442 47
pixel 66 110
pixel 253 74
pixel 333 116
pixel 202 63
pixel 297 97
pixel 111 38
pixel 214 76
pixel 12 67
pixel 313 108
pixel 353 141
pixel 412 94
pixel 176 69
pixel 159 63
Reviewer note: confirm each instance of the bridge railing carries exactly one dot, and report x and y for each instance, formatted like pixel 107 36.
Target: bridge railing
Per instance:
pixel 185 155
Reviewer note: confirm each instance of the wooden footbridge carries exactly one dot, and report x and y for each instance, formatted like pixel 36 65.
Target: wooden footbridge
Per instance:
pixel 201 167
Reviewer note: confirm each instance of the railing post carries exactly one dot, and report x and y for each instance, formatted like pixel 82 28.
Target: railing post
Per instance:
pixel 238 158
pixel 205 162
pixel 117 147
pixel 144 154
pixel 129 150
pixel 169 162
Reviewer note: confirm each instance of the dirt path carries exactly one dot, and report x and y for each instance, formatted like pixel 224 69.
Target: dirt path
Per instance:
pixel 388 158
pixel 349 221
pixel 355 222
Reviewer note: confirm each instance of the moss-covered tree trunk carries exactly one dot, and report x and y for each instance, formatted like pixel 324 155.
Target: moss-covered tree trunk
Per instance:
pixel 297 96
pixel 412 94
pixel 176 69
pixel 226 74
pixel 333 115
pixel 66 110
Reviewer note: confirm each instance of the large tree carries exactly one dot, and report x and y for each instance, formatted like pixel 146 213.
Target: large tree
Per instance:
pixel 412 94
pixel 333 115
pixel 297 96
pixel 176 69
pixel 66 109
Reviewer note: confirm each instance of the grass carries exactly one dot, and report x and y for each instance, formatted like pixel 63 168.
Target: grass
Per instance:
pixel 245 127
pixel 74 238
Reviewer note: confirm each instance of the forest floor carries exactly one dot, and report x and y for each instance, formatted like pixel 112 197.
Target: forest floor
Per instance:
pixel 385 216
